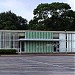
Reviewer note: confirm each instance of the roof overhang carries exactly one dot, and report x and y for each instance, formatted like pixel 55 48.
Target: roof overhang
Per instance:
pixel 39 39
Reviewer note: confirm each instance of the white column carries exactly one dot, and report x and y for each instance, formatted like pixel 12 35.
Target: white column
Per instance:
pixel 69 42
pixel 20 46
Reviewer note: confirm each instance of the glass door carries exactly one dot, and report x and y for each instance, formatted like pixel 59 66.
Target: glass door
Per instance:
pixel 22 46
pixel 56 46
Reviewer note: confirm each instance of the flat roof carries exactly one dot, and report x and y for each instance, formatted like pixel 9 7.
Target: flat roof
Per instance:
pixel 36 31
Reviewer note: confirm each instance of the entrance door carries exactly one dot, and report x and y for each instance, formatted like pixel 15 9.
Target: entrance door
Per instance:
pixel 56 46
pixel 22 46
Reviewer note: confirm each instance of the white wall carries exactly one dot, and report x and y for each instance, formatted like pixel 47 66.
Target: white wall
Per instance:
pixel 73 42
pixel 70 42
pixel 62 42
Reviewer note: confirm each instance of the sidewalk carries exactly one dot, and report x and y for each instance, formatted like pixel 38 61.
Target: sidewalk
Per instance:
pixel 51 54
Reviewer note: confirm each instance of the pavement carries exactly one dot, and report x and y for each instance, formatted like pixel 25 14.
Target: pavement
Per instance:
pixel 37 65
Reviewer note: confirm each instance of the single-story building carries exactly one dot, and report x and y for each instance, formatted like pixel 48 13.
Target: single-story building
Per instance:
pixel 31 41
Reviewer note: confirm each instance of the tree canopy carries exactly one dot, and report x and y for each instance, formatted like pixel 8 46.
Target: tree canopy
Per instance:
pixel 54 16
pixel 10 21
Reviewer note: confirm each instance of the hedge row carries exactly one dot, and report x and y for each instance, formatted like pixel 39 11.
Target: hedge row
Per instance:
pixel 7 51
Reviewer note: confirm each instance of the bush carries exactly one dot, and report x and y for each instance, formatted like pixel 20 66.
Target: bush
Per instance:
pixel 7 51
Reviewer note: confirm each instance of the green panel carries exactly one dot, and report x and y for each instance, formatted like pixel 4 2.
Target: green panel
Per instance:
pixel 26 35
pixel 44 35
pixel 44 47
pixel 33 47
pixel 26 48
pixel 47 35
pixel 29 47
pixel 30 35
pixel 38 47
pixel 52 36
pixel 52 48
pixel 48 47
pixel 35 35
pixel 39 35
pixel 41 47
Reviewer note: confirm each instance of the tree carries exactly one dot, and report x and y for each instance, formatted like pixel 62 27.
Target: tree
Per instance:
pixel 9 21
pixel 54 16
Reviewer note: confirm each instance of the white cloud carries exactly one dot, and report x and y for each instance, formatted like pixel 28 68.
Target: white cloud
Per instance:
pixel 11 4
pixel 16 6
pixel 71 3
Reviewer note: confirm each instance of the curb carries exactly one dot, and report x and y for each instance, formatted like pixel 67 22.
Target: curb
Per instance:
pixel 22 55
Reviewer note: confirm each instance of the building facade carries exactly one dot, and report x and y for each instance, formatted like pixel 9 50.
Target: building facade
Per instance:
pixel 27 41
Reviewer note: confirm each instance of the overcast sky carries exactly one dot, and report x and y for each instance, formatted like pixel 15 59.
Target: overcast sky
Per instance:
pixel 25 8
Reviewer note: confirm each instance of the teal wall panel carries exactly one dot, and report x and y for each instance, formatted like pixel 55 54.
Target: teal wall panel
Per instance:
pixel 38 35
pixel 38 47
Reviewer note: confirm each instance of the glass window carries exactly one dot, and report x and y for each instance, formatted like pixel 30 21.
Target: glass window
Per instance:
pixel 56 36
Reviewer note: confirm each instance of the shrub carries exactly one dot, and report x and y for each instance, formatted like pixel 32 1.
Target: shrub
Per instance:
pixel 7 51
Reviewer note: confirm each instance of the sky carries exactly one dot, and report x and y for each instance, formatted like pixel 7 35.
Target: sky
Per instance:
pixel 25 8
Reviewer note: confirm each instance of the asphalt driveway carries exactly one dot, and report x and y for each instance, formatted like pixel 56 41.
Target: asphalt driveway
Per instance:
pixel 37 65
